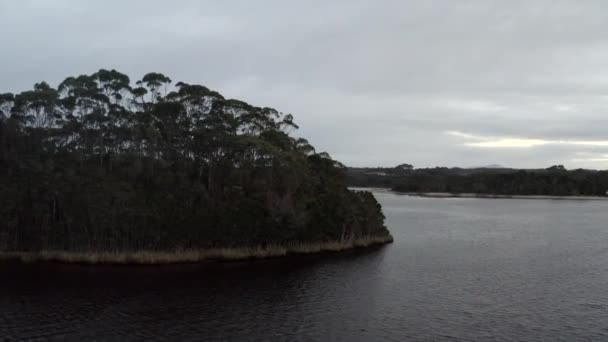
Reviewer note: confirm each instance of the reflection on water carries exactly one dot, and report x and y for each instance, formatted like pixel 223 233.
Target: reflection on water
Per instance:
pixel 460 269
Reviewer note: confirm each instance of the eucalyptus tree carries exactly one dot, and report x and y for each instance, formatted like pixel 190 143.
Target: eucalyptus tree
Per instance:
pixel 7 101
pixel 115 85
pixel 154 82
pixel 38 106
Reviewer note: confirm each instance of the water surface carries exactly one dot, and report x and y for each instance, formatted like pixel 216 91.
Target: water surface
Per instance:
pixel 460 269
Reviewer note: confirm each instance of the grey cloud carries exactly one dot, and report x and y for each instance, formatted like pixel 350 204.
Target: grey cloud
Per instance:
pixel 371 82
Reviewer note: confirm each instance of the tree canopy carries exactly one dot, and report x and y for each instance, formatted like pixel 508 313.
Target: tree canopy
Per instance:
pixel 101 164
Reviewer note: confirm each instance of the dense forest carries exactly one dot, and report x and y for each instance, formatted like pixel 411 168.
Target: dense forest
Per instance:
pixel 101 164
pixel 553 181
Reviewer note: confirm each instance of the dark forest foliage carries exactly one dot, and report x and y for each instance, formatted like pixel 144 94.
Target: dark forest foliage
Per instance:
pixel 553 181
pixel 99 164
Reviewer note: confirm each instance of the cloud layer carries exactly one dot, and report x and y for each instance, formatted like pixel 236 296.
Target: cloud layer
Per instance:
pixel 371 82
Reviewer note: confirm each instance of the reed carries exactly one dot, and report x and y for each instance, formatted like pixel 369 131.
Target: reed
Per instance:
pixel 151 257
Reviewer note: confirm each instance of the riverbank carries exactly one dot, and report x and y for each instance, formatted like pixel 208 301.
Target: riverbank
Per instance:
pixel 473 195
pixel 192 256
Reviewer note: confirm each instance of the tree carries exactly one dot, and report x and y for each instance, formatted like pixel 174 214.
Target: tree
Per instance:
pixel 7 101
pixel 115 85
pixel 37 106
pixel 154 82
pixel 557 168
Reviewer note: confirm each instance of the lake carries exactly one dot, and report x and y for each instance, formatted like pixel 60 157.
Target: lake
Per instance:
pixel 459 269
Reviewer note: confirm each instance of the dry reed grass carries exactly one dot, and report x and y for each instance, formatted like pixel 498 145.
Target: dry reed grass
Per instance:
pixel 189 256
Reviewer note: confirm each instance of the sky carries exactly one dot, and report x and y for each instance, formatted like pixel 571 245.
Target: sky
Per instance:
pixel 373 83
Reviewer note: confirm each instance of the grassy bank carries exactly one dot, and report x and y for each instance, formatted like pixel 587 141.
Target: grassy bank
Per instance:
pixel 189 256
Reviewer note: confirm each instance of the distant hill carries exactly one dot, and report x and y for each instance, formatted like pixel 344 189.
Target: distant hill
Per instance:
pixel 491 166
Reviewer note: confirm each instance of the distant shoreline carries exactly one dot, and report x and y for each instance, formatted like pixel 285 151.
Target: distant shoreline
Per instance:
pixel 495 196
pixel 194 255
pixel 474 195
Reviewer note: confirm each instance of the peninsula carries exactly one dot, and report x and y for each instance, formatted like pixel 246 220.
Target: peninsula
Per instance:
pixel 103 170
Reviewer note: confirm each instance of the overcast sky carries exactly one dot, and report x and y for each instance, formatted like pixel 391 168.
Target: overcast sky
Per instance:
pixel 450 83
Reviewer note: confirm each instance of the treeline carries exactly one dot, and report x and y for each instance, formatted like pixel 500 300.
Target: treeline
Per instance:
pixel 99 164
pixel 553 181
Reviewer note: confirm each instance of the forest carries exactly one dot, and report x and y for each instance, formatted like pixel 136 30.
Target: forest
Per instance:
pixel 103 164
pixel 552 181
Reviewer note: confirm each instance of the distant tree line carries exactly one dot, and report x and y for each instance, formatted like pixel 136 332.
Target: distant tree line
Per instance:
pixel 553 181
pixel 99 163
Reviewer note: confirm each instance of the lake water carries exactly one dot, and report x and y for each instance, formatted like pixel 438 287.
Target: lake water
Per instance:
pixel 460 269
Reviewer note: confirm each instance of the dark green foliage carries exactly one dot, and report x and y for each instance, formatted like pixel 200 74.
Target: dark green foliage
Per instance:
pixel 553 181
pixel 97 165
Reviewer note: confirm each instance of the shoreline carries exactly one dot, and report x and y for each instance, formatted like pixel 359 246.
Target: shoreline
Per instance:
pixel 496 196
pixel 194 255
